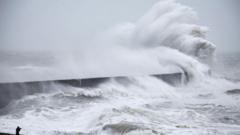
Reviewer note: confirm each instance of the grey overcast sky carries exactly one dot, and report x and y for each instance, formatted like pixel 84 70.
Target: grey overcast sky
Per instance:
pixel 223 19
pixel 75 20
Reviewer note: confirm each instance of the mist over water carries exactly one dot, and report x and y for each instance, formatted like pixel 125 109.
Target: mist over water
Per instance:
pixel 166 39
pixel 58 49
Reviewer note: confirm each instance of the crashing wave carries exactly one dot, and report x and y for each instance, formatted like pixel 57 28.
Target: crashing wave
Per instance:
pixel 168 24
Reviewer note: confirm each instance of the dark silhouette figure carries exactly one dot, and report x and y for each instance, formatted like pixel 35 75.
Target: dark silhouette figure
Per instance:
pixel 18 130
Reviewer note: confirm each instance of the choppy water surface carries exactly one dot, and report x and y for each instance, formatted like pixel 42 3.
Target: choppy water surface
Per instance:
pixel 146 105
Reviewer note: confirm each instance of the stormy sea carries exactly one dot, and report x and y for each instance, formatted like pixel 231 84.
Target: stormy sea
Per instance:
pixel 199 94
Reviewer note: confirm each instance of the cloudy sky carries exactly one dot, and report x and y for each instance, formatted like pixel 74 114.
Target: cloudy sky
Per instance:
pixel 29 24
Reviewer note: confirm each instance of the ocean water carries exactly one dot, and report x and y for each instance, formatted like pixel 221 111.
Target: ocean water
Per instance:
pixel 227 65
pixel 141 104
pixel 136 105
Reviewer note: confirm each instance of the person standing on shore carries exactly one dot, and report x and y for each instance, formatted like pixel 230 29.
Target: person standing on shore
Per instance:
pixel 18 130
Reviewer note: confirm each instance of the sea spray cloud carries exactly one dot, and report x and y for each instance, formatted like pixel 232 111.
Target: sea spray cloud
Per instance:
pixel 167 32
pixel 167 24
pixel 167 27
